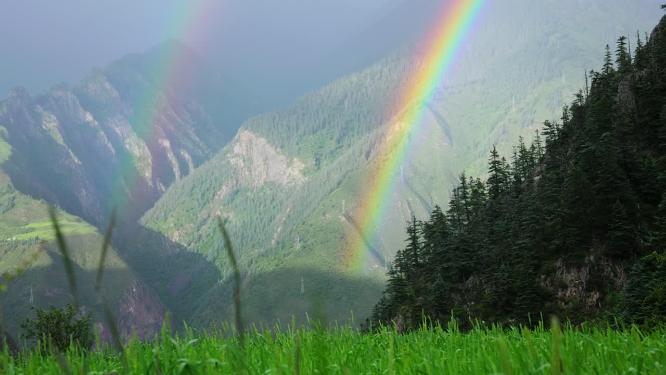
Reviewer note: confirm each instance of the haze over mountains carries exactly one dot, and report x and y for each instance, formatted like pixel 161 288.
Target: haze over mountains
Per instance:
pixel 286 180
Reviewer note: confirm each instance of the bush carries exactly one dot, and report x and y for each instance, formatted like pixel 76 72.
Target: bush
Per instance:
pixel 59 327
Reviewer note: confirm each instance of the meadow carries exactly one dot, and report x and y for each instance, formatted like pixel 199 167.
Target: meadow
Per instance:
pixel 347 351
pixel 313 349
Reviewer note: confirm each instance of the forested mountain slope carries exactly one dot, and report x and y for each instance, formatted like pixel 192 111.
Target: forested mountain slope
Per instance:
pixel 288 181
pixel 574 225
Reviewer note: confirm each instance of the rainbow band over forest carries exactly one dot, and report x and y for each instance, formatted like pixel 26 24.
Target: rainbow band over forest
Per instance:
pixel 441 47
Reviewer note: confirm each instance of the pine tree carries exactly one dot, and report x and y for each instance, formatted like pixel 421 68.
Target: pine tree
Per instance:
pixel 477 197
pixel 608 62
pixel 622 57
pixel 413 250
pixel 537 146
pixel 621 233
pixel 657 235
pixel 639 55
pixel 497 175
pixel 465 201
pixel 551 131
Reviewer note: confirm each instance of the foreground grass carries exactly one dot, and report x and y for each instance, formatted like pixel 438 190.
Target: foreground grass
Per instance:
pixel 345 351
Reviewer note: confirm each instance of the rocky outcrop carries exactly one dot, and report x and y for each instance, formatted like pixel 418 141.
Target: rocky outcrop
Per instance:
pixel 584 286
pixel 256 162
pixel 140 312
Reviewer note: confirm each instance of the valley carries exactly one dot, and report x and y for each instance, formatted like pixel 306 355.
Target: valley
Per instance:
pixel 173 154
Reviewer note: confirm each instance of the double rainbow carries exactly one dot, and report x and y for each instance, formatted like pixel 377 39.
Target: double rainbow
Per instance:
pixel 441 47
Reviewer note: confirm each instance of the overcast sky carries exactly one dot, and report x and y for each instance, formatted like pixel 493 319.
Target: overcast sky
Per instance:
pixel 295 43
pixel 44 42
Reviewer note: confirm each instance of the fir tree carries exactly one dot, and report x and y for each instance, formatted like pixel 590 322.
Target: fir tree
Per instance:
pixel 497 175
pixel 622 56
pixel 608 62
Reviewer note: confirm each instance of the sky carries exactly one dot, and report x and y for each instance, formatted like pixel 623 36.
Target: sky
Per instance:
pixel 46 42
pixel 283 47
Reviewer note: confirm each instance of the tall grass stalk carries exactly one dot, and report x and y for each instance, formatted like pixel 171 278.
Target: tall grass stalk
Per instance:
pixel 64 251
pixel 237 279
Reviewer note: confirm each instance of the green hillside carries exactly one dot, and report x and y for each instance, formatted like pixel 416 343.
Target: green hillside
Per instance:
pixel 574 225
pixel 287 182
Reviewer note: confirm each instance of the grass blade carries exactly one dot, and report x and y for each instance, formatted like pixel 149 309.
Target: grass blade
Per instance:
pixel 62 247
pixel 556 356
pixel 105 249
pixel 115 334
pixel 62 363
pixel 297 355
pixel 237 278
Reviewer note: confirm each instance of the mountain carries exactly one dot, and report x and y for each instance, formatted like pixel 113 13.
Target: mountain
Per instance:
pixel 32 267
pixel 288 181
pixel 121 136
pixel 573 227
pixel 116 140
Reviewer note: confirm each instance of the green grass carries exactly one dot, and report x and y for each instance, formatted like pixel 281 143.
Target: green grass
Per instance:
pixel 44 229
pixel 5 148
pixel 345 351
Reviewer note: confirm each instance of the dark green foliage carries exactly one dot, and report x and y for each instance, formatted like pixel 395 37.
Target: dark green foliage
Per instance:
pixel 59 327
pixel 646 293
pixel 562 226
pixel 7 343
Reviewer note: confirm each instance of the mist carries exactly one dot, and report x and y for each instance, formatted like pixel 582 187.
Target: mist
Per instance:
pixel 48 42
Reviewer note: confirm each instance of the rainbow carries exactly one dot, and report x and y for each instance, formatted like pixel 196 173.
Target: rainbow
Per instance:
pixel 440 48
pixel 172 72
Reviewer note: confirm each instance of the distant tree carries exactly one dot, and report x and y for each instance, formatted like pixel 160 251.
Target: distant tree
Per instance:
pixel 622 56
pixel 59 327
pixel 608 61
pixel 497 175
pixel 537 147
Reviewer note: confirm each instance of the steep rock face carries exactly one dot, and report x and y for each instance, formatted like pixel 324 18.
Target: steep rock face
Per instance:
pixel 140 312
pixel 585 285
pixel 257 162
pixel 250 166
pixel 119 136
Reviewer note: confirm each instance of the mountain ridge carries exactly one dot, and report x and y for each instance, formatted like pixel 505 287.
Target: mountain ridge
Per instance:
pixel 334 132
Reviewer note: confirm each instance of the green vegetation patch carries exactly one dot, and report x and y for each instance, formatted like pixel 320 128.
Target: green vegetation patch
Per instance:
pixel 345 351
pixel 5 148
pixel 44 229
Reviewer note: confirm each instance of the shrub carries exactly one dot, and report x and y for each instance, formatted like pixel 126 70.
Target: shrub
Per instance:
pixel 59 327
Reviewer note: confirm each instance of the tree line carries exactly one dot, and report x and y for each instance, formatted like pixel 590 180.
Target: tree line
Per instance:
pixel 573 224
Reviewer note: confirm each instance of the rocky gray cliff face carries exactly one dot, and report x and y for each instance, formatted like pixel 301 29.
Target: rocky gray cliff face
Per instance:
pixel 141 312
pixel 119 138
